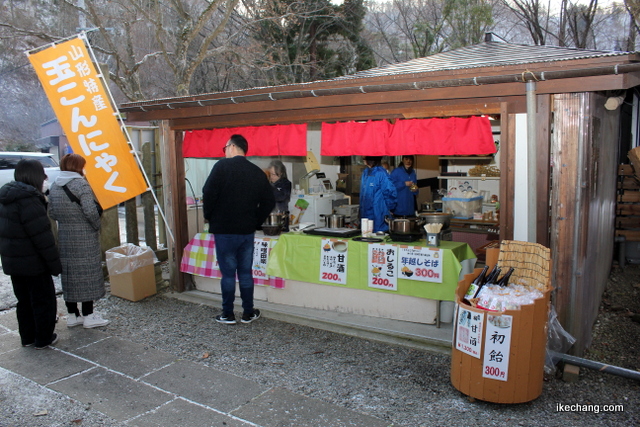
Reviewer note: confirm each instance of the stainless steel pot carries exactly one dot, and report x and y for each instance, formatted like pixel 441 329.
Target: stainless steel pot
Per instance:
pixel 275 219
pixel 405 225
pixel 436 218
pixel 334 220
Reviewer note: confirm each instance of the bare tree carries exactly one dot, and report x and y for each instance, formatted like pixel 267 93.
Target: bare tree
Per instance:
pixel 580 21
pixel 534 16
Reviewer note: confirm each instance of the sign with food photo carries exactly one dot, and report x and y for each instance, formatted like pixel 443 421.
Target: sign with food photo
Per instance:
pixel 497 346
pixel 333 261
pixel 382 266
pixel 419 263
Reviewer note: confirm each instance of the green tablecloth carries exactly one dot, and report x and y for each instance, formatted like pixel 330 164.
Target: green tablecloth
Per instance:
pixel 297 257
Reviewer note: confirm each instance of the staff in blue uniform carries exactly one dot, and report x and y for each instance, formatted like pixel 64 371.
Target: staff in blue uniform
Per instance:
pixel 404 179
pixel 378 195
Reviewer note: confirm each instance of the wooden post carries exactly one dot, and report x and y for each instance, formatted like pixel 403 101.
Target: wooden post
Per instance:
pixel 148 203
pixel 109 230
pixel 131 221
pixel 175 200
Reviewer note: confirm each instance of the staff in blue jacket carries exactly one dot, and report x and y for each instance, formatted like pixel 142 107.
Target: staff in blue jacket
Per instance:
pixel 404 179
pixel 378 195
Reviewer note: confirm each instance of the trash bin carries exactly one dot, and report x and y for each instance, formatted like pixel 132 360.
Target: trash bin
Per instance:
pixel 499 356
pixel 131 271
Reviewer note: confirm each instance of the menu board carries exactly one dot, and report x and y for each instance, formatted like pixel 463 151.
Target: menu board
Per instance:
pixel 261 248
pixel 382 266
pixel 420 263
pixel 333 261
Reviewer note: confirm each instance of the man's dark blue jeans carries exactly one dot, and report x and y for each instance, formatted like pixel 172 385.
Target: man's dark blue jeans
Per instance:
pixel 235 255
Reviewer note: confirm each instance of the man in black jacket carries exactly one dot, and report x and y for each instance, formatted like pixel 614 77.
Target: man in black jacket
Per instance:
pixel 237 199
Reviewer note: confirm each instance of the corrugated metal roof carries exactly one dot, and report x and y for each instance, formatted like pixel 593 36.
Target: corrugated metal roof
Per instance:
pixel 486 54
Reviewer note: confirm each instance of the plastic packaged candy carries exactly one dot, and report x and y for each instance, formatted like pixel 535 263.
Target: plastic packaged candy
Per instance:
pixel 512 297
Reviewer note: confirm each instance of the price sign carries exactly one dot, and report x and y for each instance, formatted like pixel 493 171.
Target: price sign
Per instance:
pixel 497 346
pixel 469 326
pixel 418 263
pixel 333 261
pixel 261 249
pixel 382 266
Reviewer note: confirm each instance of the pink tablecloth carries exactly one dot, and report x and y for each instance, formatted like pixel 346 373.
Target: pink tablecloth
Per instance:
pixel 199 259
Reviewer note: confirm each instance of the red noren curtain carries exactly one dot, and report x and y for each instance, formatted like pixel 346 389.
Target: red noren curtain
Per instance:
pixel 278 140
pixel 442 137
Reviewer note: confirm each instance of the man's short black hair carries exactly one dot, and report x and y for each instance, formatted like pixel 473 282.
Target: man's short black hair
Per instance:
pixel 240 142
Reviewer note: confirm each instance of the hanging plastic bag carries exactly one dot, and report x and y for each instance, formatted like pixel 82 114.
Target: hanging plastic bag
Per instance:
pixel 558 340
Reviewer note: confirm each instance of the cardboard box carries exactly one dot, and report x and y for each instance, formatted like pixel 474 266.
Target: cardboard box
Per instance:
pixel 134 286
pixel 131 272
pixel 528 341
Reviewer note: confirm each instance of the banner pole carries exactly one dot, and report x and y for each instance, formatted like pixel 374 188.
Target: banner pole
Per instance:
pixel 123 127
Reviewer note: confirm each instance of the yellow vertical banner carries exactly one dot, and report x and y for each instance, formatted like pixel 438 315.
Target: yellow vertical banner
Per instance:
pixel 83 108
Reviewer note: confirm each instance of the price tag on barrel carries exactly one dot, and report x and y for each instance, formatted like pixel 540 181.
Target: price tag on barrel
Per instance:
pixel 497 346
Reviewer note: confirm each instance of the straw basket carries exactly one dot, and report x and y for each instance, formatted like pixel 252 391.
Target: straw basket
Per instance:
pixel 524 375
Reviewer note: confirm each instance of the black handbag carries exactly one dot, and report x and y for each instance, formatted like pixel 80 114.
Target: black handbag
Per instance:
pixel 75 199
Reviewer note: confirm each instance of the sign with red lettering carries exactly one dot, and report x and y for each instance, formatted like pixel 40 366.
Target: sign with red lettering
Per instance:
pixel 419 263
pixel 382 266
pixel 333 261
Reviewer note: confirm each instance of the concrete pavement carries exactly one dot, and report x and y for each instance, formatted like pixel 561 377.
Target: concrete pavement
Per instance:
pixel 140 386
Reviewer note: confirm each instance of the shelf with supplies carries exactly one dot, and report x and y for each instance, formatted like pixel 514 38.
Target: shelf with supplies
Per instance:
pixel 467 177
pixel 475 226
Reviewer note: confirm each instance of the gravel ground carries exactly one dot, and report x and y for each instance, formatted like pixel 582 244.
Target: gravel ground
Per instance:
pixel 405 386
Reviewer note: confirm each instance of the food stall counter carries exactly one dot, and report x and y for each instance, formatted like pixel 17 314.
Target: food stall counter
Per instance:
pixel 299 257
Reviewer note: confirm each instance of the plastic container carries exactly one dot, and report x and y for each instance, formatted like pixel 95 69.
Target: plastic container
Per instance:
pixel 462 208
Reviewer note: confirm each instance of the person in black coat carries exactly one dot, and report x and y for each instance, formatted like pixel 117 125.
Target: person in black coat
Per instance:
pixel 29 253
pixel 237 199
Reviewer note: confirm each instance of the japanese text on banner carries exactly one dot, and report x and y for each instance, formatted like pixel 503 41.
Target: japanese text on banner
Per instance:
pixel 382 266
pixel 82 106
pixel 469 332
pixel 333 261
pixel 418 263
pixel 497 346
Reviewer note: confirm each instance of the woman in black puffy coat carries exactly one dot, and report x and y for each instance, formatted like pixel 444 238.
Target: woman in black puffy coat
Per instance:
pixel 29 253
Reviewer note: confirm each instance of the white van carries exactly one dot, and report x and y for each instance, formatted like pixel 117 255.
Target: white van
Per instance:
pixel 9 160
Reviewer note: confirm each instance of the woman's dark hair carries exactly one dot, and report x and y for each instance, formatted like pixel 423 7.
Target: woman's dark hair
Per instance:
pixel 409 156
pixel 72 163
pixel 240 142
pixel 373 161
pixel 30 171
pixel 278 168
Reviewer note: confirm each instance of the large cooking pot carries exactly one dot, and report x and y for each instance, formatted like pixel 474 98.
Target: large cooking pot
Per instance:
pixel 436 218
pixel 410 225
pixel 275 218
pixel 334 220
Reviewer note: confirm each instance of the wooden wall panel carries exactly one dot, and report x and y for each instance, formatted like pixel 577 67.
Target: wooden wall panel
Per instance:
pixel 584 152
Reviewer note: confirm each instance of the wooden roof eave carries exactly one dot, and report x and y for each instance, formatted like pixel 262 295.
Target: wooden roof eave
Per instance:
pixel 362 105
